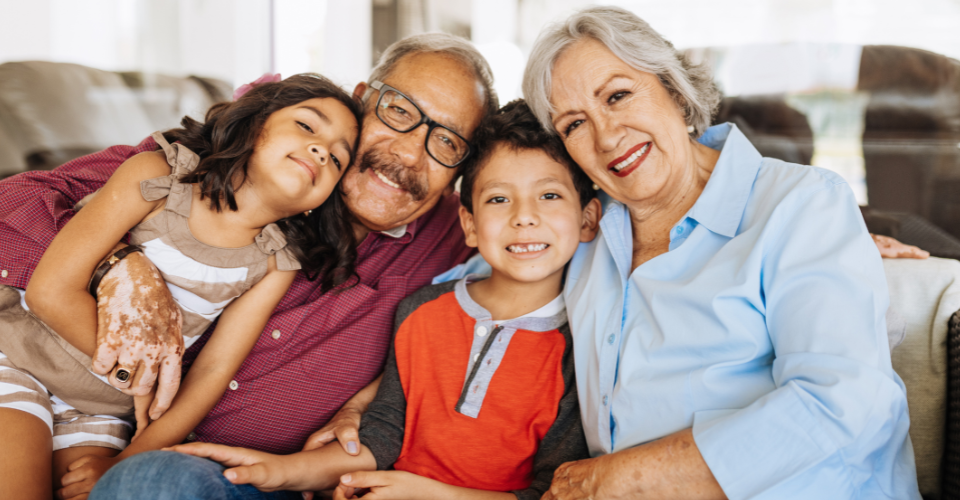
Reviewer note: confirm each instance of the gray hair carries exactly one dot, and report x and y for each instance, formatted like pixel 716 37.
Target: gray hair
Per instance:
pixel 637 44
pixel 446 44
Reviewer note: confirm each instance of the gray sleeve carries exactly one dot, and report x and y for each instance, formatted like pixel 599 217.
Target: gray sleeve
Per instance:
pixel 564 442
pixel 382 426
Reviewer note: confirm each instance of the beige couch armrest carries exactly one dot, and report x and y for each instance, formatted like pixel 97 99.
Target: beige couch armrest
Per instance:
pixel 925 293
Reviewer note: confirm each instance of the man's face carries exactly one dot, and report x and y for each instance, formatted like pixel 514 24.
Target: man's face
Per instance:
pixel 395 180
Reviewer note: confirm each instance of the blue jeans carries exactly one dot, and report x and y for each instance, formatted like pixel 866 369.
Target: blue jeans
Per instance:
pixel 167 475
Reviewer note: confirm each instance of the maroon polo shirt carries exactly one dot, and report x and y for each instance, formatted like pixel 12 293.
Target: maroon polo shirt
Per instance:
pixel 327 347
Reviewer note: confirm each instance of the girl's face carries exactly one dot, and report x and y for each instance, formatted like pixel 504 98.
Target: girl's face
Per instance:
pixel 301 153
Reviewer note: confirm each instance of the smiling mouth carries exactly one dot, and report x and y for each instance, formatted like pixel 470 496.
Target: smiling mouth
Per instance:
pixel 528 247
pixel 387 180
pixel 630 159
pixel 311 169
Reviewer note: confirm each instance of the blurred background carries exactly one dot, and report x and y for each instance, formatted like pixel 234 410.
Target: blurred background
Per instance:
pixel 867 88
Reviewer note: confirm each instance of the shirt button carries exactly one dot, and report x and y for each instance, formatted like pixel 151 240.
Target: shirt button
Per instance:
pixel 275 334
pixel 611 338
pixel 233 385
pixel 482 331
pixel 192 436
pixel 4 273
pixel 604 401
pixel 679 230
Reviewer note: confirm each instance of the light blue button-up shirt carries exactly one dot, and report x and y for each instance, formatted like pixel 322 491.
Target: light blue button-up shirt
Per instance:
pixel 762 328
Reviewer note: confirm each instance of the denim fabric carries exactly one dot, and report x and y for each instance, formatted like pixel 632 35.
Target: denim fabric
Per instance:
pixel 167 475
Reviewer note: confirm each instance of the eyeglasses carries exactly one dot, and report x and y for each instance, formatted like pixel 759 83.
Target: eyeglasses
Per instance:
pixel 400 113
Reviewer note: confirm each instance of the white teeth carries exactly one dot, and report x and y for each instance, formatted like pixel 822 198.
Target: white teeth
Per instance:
pixel 532 247
pixel 630 159
pixel 386 180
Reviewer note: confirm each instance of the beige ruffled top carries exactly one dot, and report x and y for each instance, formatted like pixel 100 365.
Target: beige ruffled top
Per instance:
pixel 203 279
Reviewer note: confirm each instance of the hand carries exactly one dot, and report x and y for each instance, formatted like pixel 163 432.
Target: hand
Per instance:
pixel 584 479
pixel 140 405
pixel 139 330
pixel 83 475
pixel 388 484
pixel 265 471
pixel 344 427
pixel 893 249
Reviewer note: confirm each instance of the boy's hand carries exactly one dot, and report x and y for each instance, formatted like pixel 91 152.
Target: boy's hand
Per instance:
pixel 265 471
pixel 83 475
pixel 390 484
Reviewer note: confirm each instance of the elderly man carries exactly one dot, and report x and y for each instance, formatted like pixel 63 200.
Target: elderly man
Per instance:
pixel 317 350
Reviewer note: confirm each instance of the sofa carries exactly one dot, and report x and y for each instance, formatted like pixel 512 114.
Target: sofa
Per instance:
pixel 51 113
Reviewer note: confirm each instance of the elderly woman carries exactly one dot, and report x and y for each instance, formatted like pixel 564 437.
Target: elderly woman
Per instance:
pixel 729 318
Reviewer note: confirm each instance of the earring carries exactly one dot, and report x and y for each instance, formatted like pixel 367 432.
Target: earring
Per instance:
pixel 307 213
pixel 690 129
pixel 596 187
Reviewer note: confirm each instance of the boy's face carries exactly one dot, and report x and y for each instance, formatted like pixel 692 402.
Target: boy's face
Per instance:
pixel 527 221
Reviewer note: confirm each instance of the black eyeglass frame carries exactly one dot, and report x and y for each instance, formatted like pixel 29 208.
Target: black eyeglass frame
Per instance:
pixel 431 123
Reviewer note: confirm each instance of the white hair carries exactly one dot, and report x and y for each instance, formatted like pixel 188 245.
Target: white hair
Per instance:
pixel 637 44
pixel 442 43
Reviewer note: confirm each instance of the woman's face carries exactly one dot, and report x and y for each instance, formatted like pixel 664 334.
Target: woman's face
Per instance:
pixel 620 124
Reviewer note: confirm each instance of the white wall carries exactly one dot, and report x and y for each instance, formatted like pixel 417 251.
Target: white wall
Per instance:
pixel 227 39
pixel 927 24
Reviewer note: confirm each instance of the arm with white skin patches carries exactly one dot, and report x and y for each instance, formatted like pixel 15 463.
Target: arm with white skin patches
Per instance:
pixel 58 295
pixel 137 319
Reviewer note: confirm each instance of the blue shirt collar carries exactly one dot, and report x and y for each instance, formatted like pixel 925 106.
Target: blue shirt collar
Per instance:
pixel 721 205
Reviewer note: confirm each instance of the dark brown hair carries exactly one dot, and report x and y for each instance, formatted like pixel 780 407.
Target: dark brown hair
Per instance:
pixel 322 241
pixel 516 127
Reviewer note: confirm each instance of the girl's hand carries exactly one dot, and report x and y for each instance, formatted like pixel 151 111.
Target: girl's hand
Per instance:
pixel 389 484
pixel 265 471
pixel 140 406
pixel 84 474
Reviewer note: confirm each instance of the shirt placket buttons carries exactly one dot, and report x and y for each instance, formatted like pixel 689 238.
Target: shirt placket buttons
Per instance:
pixel 275 334
pixel 234 385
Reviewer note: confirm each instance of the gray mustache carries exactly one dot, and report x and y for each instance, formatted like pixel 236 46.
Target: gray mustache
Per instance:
pixel 408 179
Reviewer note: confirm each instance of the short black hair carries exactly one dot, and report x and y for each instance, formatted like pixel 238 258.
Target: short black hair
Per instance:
pixel 516 127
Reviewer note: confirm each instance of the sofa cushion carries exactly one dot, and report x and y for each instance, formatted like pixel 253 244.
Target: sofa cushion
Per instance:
pixel 925 293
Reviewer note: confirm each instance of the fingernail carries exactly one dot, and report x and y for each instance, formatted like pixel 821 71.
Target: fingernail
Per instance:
pixel 352 446
pixel 230 475
pixel 345 478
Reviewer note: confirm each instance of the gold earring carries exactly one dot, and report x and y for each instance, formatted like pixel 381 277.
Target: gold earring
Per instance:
pixel 596 187
pixel 307 213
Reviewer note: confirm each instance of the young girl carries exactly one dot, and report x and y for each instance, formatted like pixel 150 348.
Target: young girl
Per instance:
pixel 241 203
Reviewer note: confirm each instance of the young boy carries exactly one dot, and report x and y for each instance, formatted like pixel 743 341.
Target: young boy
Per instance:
pixel 478 398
